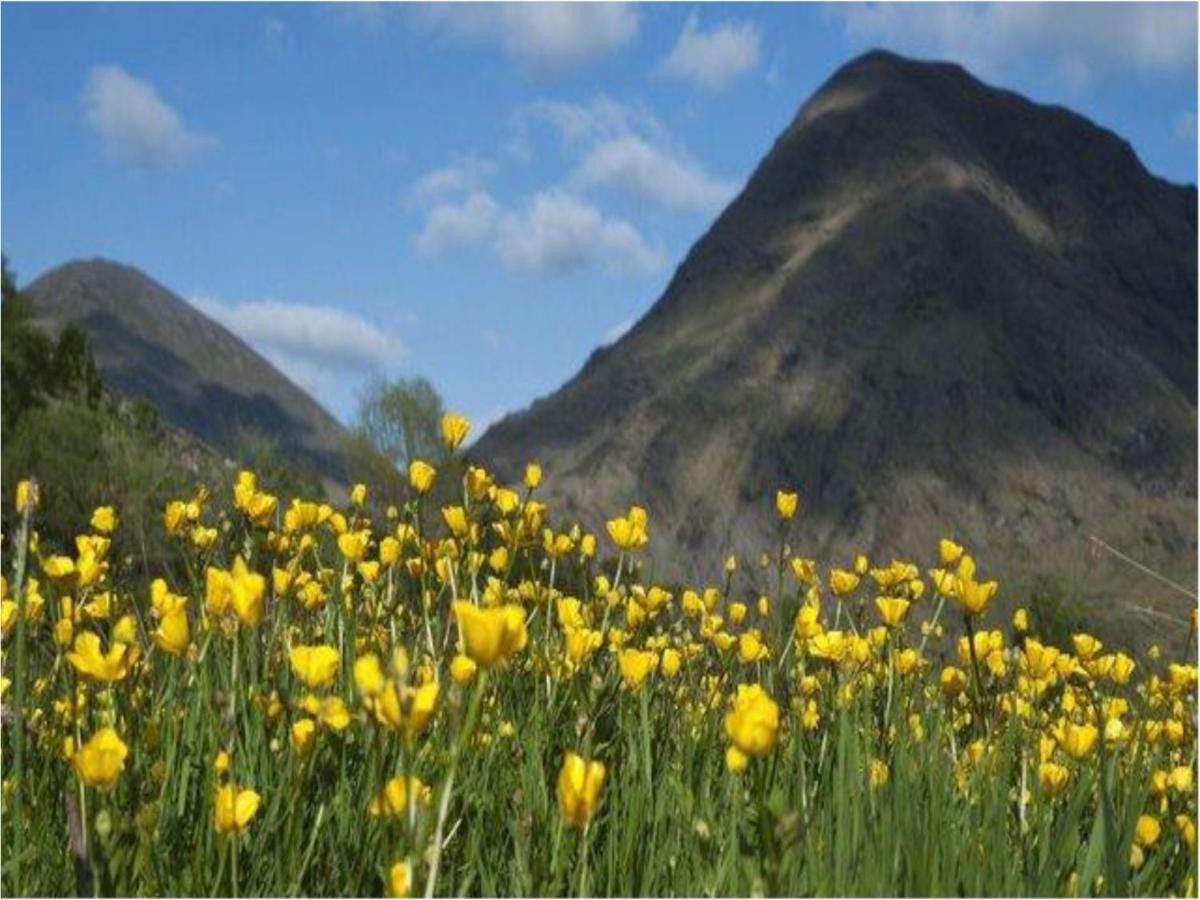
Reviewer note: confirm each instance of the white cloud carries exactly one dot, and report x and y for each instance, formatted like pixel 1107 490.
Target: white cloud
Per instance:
pixel 135 126
pixel 713 59
pixel 622 147
pixel 463 173
pixel 557 233
pixel 312 345
pixel 540 36
pixel 653 173
pixel 1079 40
pixel 457 223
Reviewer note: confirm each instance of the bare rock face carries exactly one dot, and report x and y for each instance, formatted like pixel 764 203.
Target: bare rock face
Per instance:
pixel 936 308
pixel 148 342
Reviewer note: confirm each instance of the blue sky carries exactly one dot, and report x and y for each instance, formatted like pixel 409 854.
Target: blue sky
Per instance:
pixel 481 195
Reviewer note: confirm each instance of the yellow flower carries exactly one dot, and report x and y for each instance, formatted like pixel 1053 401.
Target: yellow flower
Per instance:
pixel 533 475
pixel 1053 777
pixel 172 635
pixel 304 732
pixel 99 761
pixel 786 503
pixel 672 659
pixel 830 646
pixel 892 610
pixel 879 773
pixel 751 649
pixel 1077 741
pixel 393 799
pixel 752 724
pixel 104 520
pixel 636 666
pixel 358 494
pixel 233 809
pixel 331 711
pixel 353 544
pixel 368 675
pixel 1181 779
pixel 973 595
pixel 842 582
pixel 27 495
pixel 399 880
pixel 421 476
pixel 1020 620
pixel 953 681
pixel 239 591
pixel 454 429
pixel 490 636
pixel 1085 646
pixel 462 669
pixel 456 520
pixel 579 785
pixel 581 644
pixel 949 552
pixel 408 710
pixel 88 658
pixel 316 666
pixel 628 532
pixel 1147 831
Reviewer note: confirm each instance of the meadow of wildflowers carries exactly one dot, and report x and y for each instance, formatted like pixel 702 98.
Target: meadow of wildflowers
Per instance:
pixel 476 699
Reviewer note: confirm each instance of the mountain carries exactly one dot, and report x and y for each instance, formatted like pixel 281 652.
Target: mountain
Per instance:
pixel 149 342
pixel 936 308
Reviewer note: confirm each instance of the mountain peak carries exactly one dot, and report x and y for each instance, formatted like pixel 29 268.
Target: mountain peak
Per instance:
pixel 152 343
pixel 936 307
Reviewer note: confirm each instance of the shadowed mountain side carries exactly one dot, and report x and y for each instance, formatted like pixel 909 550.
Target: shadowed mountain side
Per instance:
pixel 936 308
pixel 150 343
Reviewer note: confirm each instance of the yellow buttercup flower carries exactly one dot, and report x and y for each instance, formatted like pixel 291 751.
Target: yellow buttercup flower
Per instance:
pixel 407 710
pixel 842 582
pixel 491 636
pixel 358 494
pixel 1053 777
pixel 393 799
pixel 238 591
pixel 892 610
pixel 353 544
pixel 628 532
pixel 399 880
pixel 27 495
pixel 973 595
pixel 579 786
pixel 88 658
pixel 786 503
pixel 752 724
pixel 100 760
pixel 533 475
pixel 636 666
pixel 316 666
pixel 454 429
pixel 233 809
pixel 949 552
pixel 462 669
pixel 1077 741
pixel 421 476
pixel 104 519
pixel 456 520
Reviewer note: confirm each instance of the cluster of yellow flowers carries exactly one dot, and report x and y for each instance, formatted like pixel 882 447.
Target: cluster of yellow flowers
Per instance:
pixel 392 630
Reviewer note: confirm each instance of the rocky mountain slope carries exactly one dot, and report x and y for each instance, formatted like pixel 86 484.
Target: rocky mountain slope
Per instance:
pixel 936 308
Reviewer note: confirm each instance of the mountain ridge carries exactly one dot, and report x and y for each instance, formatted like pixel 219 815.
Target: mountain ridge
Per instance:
pixel 150 342
pixel 934 304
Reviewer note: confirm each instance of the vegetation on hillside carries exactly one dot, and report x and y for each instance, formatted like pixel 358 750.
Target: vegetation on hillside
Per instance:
pixel 470 698
pixel 64 428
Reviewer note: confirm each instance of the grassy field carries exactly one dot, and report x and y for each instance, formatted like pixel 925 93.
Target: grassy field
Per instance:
pixel 467 700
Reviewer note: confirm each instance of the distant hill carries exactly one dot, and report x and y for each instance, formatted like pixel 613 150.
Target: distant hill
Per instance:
pixel 936 308
pixel 149 342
